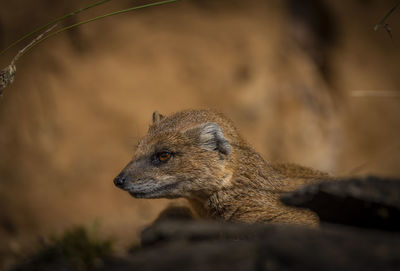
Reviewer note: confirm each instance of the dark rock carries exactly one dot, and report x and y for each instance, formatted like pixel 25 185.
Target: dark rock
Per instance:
pixel 195 245
pixel 169 216
pixel 368 203
pixel 173 213
pixel 177 242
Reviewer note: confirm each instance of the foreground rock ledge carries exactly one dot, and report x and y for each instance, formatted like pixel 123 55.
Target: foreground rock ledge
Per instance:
pixel 367 203
pixel 176 242
pixel 190 245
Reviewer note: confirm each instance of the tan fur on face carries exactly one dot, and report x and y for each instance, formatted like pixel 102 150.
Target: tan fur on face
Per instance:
pixel 215 169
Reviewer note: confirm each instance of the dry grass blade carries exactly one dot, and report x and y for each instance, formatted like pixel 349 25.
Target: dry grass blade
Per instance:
pixel 7 74
pixel 6 77
pixel 73 13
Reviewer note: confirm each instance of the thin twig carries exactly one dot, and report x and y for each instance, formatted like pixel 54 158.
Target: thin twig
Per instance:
pixel 7 74
pixel 32 43
pixel 6 77
pixel 383 23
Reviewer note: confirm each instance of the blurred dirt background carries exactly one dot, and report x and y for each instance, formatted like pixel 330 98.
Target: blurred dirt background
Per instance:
pixel 295 76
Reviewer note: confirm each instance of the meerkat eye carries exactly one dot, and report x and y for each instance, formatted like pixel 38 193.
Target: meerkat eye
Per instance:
pixel 161 157
pixel 164 156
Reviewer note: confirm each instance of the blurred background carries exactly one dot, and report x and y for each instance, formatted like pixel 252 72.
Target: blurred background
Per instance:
pixel 307 81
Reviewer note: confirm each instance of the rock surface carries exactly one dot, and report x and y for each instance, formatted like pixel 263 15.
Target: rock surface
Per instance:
pixel 191 245
pixel 367 203
pixel 175 241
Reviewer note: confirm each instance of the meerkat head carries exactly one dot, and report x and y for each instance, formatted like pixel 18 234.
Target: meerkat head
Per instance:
pixel 181 156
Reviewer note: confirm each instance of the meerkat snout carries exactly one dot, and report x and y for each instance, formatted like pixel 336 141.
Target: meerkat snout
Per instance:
pixel 119 181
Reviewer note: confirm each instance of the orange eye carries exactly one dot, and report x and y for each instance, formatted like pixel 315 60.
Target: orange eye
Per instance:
pixel 164 156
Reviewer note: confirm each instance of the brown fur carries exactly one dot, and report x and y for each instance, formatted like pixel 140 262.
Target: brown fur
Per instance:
pixel 215 169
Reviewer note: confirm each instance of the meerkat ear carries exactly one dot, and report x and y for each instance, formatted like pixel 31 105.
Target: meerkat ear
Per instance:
pixel 211 137
pixel 157 117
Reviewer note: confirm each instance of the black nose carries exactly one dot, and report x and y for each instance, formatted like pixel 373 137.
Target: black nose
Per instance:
pixel 120 180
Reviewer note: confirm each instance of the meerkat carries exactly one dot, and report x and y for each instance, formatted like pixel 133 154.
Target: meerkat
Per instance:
pixel 199 155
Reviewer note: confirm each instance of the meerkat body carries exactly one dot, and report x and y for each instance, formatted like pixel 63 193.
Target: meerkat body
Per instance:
pixel 199 155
